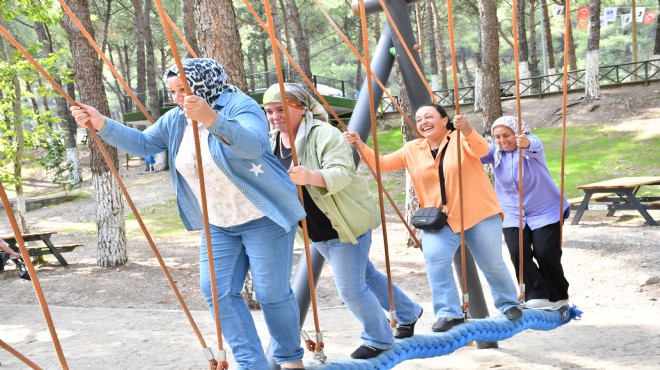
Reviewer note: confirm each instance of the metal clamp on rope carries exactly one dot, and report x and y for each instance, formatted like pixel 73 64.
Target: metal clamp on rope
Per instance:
pixel 318 352
pixel 311 346
pixel 393 321
pixel 521 296
pixel 466 304
pixel 208 352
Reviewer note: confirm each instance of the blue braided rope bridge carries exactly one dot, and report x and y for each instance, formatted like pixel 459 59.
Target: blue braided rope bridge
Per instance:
pixel 437 344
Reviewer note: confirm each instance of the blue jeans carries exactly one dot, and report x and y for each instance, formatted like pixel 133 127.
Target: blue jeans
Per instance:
pixel 268 249
pixel 485 242
pixel 364 289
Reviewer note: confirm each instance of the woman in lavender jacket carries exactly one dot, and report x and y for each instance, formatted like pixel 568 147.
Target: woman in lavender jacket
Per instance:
pixel 545 284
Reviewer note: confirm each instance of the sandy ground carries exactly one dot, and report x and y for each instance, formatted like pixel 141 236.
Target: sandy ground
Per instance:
pixel 128 318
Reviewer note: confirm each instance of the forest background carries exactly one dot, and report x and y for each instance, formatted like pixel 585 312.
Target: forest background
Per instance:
pixel 36 129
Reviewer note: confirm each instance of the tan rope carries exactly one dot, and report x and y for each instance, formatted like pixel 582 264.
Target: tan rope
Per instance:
pixel 200 173
pixel 564 113
pixel 516 57
pixel 319 345
pixel 17 354
pixel 450 16
pixel 33 277
pixel 374 135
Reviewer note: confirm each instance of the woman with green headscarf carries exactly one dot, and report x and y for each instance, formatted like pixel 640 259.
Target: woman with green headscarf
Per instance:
pixel 341 212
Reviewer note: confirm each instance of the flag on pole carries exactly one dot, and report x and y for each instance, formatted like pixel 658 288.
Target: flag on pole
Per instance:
pixel 649 17
pixel 603 23
pixel 583 18
pixel 640 14
pixel 610 14
pixel 626 19
pixel 557 10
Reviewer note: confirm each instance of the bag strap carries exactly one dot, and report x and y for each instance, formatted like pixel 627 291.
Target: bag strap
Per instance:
pixel 442 173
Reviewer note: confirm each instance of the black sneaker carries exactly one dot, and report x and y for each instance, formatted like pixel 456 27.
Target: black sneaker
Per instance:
pixel 406 330
pixel 513 313
pixel 443 324
pixel 364 352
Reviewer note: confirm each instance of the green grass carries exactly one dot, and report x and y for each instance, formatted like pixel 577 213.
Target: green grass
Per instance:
pixel 162 219
pixel 593 153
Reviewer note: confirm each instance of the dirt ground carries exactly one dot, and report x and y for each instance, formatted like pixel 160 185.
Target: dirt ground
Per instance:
pixel 128 318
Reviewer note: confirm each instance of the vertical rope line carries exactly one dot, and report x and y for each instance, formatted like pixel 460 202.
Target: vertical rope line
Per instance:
pixel 35 280
pixel 374 135
pixel 516 57
pixel 294 157
pixel 117 178
pixel 200 174
pixel 450 16
pixel 336 117
pixel 564 97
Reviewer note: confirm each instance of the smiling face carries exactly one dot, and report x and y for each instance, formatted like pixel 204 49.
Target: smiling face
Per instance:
pixel 431 124
pixel 175 85
pixel 505 138
pixel 276 117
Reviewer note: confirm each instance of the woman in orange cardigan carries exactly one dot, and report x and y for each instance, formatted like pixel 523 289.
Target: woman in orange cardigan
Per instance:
pixel 482 217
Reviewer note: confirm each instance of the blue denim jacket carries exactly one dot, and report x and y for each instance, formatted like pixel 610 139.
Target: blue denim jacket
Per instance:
pixel 246 159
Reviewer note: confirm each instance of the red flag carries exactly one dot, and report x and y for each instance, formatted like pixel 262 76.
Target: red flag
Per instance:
pixel 583 18
pixel 583 12
pixel 649 17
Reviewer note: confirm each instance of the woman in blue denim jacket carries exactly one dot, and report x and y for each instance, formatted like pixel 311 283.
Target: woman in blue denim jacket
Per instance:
pixel 252 204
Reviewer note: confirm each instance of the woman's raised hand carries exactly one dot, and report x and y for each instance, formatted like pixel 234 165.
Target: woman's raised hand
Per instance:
pixel 197 109
pixel 461 123
pixel 83 113
pixel 354 139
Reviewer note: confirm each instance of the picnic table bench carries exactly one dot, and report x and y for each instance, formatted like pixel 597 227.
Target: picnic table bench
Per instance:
pixel 38 250
pixel 617 194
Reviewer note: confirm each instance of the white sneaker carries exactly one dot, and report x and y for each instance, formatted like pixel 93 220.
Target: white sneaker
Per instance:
pixel 539 304
pixel 559 304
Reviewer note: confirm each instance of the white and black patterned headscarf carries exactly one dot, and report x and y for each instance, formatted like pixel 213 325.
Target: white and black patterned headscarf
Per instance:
pixel 206 77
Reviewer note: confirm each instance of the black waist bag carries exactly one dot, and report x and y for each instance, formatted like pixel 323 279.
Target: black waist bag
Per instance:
pixel 429 218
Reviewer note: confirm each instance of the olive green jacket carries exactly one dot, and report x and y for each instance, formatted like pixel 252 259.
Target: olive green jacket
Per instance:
pixel 346 200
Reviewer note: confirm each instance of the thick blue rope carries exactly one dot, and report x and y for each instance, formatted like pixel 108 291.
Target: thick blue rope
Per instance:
pixel 437 344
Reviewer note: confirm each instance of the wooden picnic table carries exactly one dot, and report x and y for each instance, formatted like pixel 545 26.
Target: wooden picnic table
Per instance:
pixel 621 194
pixel 38 250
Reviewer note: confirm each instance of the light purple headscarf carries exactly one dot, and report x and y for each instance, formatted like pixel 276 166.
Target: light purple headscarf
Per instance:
pixel 512 123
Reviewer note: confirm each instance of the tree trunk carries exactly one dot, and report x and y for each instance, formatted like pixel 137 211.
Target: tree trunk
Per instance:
pixel 188 22
pixel 533 53
pixel 523 50
pixel 549 49
pixel 287 34
pixel 219 38
pixel 20 147
pixel 141 90
pixel 300 38
pixel 152 81
pixel 441 47
pixel 72 129
pixel 430 37
pixel 591 86
pixel 420 34
pixel 656 45
pixel 478 104
pixel 358 71
pixel 490 67
pixel 68 123
pixel 110 207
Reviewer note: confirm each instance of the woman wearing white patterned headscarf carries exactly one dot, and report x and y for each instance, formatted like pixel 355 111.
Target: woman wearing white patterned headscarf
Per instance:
pixel 252 203
pixel 545 284
pixel 341 212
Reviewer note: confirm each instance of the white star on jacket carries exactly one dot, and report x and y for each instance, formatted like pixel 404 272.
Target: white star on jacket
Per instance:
pixel 256 169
